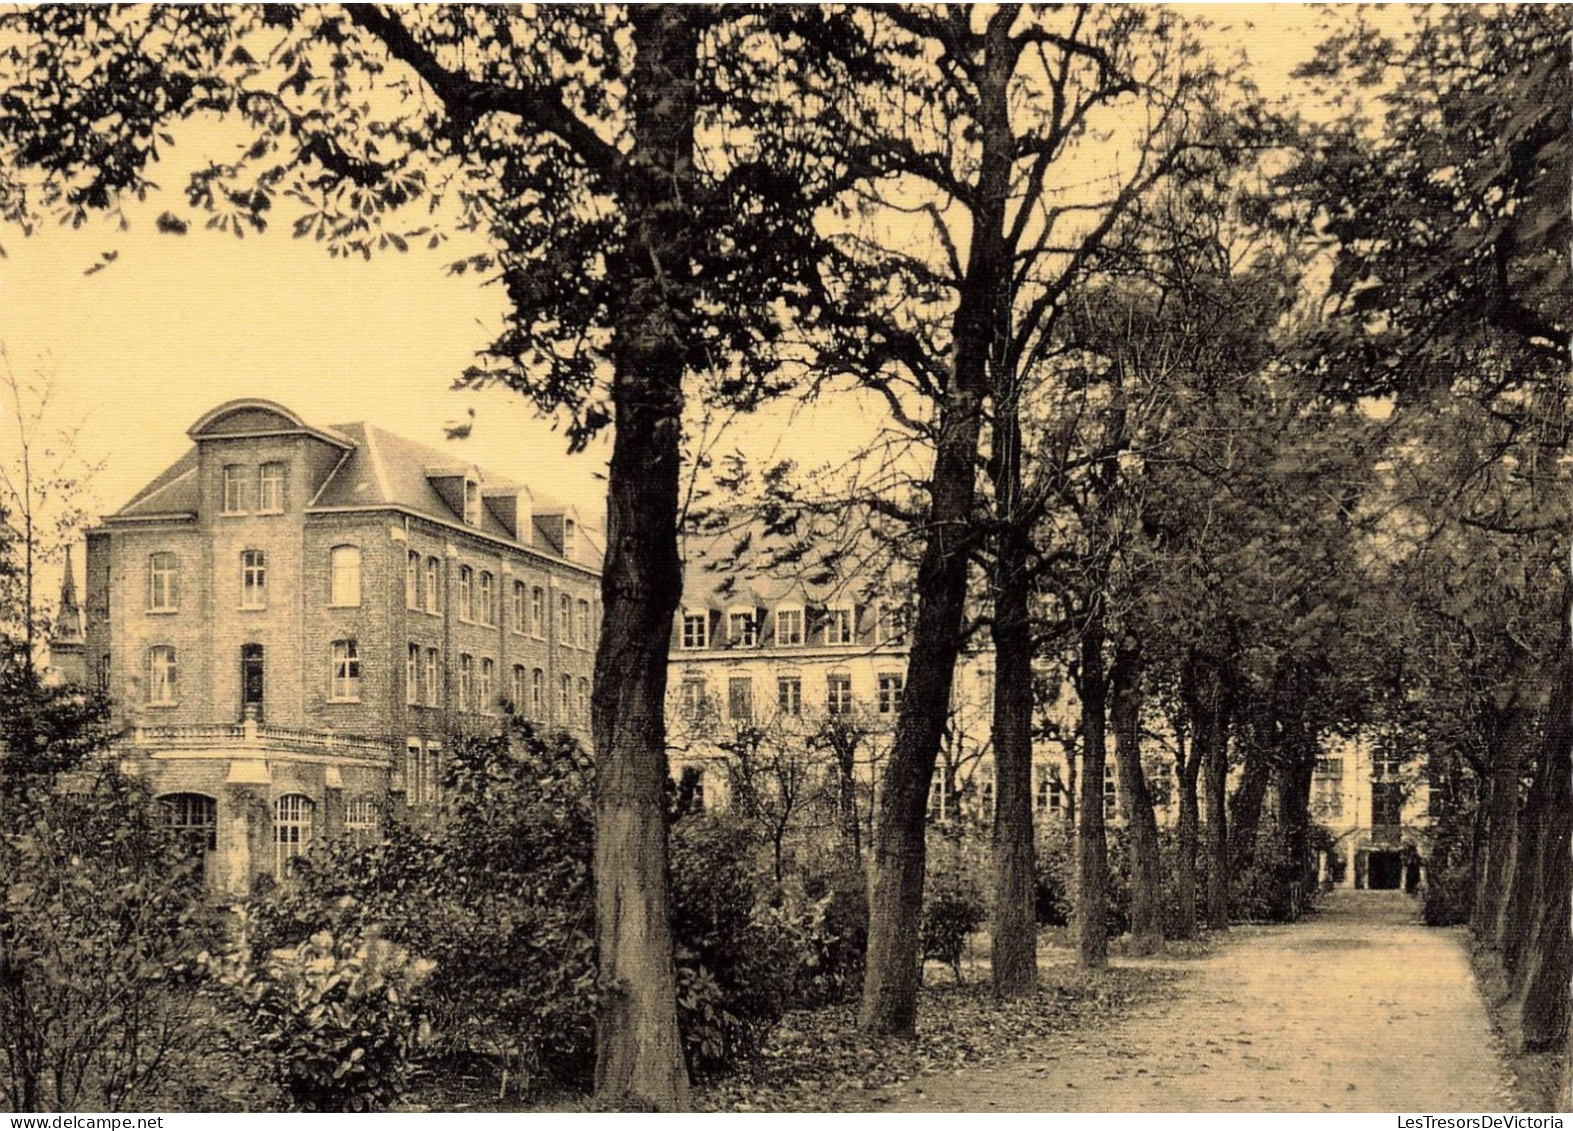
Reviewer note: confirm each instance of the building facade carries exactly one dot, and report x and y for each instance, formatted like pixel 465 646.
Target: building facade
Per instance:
pixel 292 620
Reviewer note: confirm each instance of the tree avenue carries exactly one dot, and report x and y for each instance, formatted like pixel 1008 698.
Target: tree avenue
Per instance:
pixel 1247 429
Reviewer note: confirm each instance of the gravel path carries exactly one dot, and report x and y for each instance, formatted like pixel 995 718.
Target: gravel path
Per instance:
pixel 1359 1008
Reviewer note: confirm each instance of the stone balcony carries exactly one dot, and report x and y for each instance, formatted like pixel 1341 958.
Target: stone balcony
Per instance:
pixel 251 735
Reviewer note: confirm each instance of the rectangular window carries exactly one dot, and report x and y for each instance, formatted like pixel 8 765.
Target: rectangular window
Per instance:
pixel 518 609
pixel 345 588
pixel 890 685
pixel 538 694
pixel 466 682
pixel 163 583
pixel 693 694
pixel 740 699
pixel 253 580
pixel 789 628
pixel 412 581
pixel 432 772
pixel 742 629
pixel 583 623
pixel 433 684
pixel 414 773
pixel 472 503
pixel 234 489
pixel 695 630
pixel 838 694
pixel 519 689
pixel 344 683
pixel 1050 797
pixel 270 488
pixel 564 699
pixel 484 693
pixel 838 625
pixel 161 683
pixel 433 585
pixel 485 600
pixel 360 821
pixel 537 612
pixel 564 620
pixel 412 676
pixel 466 593
pixel 583 689
pixel 789 695
pixel 986 798
pixel 942 797
pixel 891 627
pixel 570 539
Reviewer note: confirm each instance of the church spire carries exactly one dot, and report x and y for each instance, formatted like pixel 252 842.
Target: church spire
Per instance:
pixel 68 619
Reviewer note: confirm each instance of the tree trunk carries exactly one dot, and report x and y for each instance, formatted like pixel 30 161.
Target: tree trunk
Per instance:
pixel 1141 824
pixel 1187 838
pixel 1245 807
pixel 1546 974
pixel 892 969
pixel 1013 950
pixel 1211 728
pixel 1505 751
pixel 1296 768
pixel 1092 925
pixel 639 1055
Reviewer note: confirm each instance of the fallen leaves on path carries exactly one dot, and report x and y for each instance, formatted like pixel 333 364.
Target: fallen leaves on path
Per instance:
pixel 817 1061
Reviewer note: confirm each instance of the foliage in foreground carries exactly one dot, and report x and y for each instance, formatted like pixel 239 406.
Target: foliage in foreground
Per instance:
pixel 102 920
pixel 497 895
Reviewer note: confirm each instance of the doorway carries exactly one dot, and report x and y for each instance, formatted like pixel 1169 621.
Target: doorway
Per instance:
pixel 1385 871
pixel 251 681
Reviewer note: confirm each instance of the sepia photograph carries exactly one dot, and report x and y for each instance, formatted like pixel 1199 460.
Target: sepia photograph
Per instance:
pixel 786 558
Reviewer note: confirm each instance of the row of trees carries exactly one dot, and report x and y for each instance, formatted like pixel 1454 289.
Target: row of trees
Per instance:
pixel 1158 366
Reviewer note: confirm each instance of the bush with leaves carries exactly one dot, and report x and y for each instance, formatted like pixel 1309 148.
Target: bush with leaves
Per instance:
pixel 835 939
pixel 496 894
pixel 738 955
pixel 953 909
pixel 1448 896
pixel 337 1018
pixel 102 919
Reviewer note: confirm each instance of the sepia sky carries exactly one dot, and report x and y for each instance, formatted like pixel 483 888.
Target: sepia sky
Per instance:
pixel 178 324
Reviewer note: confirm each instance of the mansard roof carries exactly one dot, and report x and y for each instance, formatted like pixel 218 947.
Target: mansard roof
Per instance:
pixel 378 469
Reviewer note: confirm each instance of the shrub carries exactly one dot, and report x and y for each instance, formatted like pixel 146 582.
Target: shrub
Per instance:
pixel 497 894
pixel 1448 897
pixel 737 956
pixel 102 919
pixel 337 1018
pixel 834 940
pixel 1055 873
pixel 952 910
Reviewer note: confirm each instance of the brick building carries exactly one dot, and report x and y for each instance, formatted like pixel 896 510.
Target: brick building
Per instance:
pixel 292 619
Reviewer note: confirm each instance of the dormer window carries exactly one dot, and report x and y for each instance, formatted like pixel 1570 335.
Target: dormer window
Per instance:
pixel 570 538
pixel 695 630
pixel 789 626
pixel 742 628
pixel 838 624
pixel 472 502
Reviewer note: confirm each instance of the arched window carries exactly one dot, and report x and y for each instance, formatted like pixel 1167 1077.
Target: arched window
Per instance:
pixel 537 612
pixel 584 701
pixel 537 694
pixel 161 682
pixel 584 623
pixel 345 591
pixel 193 818
pixel 412 581
pixel 433 585
pixel 519 609
pixel 564 620
pixel 485 602
pixel 293 815
pixel 564 699
pixel 466 593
